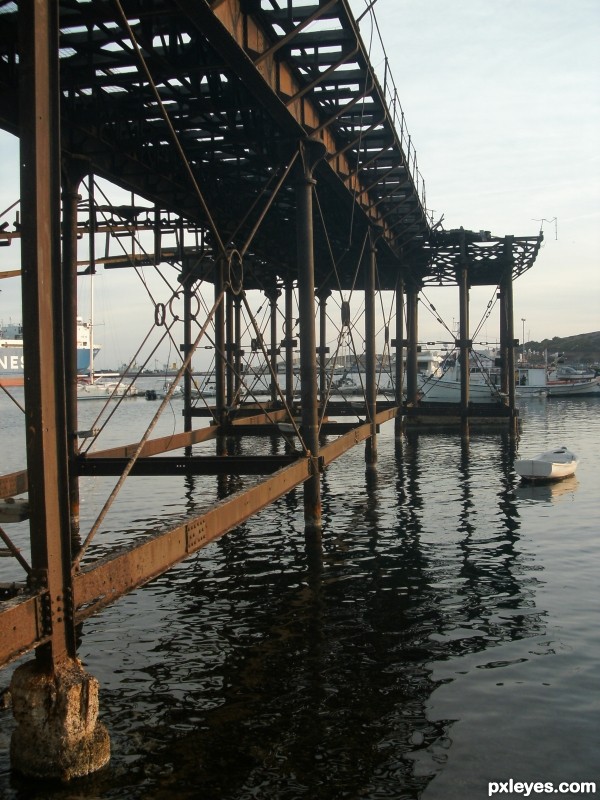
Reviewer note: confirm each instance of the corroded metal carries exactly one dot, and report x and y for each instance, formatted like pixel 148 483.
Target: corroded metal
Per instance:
pixel 311 152
pixel 412 326
pixel 45 386
pixel 464 343
pixel 370 350
pixel 399 371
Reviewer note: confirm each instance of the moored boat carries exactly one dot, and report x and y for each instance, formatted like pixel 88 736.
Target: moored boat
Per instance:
pixel 105 390
pixel 532 381
pixel 484 382
pixel 551 465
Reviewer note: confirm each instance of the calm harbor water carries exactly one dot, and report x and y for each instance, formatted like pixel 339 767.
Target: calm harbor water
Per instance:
pixel 447 637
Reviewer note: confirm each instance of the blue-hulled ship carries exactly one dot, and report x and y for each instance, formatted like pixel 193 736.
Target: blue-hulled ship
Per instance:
pixel 11 351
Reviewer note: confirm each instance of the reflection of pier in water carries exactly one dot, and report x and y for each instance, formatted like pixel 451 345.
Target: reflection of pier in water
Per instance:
pixel 318 664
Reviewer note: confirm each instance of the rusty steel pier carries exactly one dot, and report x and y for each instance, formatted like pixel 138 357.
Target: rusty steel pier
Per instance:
pixel 267 160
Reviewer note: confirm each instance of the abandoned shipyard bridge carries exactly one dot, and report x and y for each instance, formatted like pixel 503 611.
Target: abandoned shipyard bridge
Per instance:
pixel 266 158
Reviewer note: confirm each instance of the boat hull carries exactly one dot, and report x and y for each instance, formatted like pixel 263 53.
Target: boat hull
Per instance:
pixel 553 465
pixel 442 390
pixel 562 389
pixel 12 364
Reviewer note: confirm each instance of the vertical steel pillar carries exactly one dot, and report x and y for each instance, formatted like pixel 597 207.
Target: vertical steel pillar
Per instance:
pixel 323 350
pixel 370 350
pixel 187 345
pixel 503 341
pixel 230 347
pixel 412 330
pixel 398 342
pixel 311 152
pixel 54 700
pixel 464 342
pixel 237 327
pixel 72 177
pixel 157 234
pixel 220 354
pixel 273 350
pixel 289 342
pixel 507 293
pixel 45 388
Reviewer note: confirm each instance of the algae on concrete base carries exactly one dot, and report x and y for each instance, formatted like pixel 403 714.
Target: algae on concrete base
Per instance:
pixel 58 734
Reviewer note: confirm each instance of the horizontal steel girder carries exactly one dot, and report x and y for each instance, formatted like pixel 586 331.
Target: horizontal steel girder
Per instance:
pixel 180 465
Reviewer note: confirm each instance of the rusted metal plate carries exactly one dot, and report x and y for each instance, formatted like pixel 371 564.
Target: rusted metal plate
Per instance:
pixel 196 534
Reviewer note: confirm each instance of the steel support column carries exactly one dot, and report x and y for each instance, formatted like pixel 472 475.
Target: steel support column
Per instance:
pixel 273 295
pixel 506 289
pixel 187 345
pixel 42 292
pixel 230 348
pixel 220 350
pixel 503 335
pixel 370 353
pixel 237 327
pixel 412 331
pixel 73 174
pixel 464 342
pixel 323 295
pixel 288 342
pixel 311 152
pixel 399 370
pixel 55 704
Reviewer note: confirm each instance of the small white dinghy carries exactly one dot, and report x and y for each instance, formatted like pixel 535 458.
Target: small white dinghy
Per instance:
pixel 552 465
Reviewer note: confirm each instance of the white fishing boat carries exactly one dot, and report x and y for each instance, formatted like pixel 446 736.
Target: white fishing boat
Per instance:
pixel 532 381
pixel 553 465
pixel 484 382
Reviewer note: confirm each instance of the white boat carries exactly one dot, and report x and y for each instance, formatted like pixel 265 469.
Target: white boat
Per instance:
pixel 553 465
pixel 532 381
pixel 101 390
pixel 160 394
pixel 484 382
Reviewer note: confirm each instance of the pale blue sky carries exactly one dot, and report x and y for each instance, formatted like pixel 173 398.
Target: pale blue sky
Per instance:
pixel 502 101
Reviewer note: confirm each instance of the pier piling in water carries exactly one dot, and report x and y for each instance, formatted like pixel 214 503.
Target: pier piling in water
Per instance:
pixel 58 734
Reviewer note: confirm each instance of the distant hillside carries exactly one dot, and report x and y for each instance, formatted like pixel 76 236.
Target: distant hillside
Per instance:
pixel 584 348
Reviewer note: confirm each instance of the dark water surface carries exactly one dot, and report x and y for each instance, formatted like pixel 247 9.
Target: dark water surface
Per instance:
pixel 447 637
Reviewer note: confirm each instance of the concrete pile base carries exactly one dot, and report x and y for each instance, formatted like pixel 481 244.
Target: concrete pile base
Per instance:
pixel 58 734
